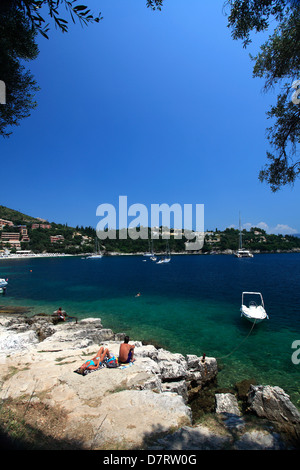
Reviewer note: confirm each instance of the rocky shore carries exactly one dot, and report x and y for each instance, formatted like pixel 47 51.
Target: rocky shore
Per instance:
pixel 163 401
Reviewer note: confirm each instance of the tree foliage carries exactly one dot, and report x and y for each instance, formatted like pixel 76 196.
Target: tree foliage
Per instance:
pixel 17 43
pixel 20 22
pixel 154 4
pixel 34 11
pixel 278 62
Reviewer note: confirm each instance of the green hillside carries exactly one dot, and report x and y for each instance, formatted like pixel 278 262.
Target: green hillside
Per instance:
pixel 16 217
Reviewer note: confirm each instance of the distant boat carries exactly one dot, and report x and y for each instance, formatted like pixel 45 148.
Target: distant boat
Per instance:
pixel 97 253
pixel 149 252
pixel 3 283
pixel 253 312
pixel 166 258
pixel 163 260
pixel 153 257
pixel 242 252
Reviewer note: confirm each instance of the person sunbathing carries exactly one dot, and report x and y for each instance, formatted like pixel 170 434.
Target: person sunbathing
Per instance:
pixel 94 363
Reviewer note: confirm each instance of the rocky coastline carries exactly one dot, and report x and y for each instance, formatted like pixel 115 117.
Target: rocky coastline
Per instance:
pixel 163 401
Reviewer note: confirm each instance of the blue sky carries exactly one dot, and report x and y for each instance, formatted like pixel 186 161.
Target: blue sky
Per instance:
pixel 158 106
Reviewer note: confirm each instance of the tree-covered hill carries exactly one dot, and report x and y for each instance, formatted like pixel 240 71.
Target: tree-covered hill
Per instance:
pixel 80 240
pixel 16 217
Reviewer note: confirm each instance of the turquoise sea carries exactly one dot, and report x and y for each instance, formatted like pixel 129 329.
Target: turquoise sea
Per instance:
pixel 190 306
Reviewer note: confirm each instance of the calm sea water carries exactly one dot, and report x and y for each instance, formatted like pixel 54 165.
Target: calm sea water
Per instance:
pixel 190 305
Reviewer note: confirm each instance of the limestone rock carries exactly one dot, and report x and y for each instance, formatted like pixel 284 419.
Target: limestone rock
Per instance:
pixel 259 440
pixel 11 341
pixel 131 418
pixel 171 366
pixel 227 403
pixel 273 403
pixel 201 370
pixel 179 387
pixel 227 406
pixel 193 438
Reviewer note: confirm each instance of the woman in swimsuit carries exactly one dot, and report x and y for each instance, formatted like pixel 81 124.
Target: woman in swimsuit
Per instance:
pixel 94 363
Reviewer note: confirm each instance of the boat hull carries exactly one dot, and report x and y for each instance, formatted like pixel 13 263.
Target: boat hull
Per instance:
pixel 252 319
pixel 255 315
pixel 163 261
pixel 243 254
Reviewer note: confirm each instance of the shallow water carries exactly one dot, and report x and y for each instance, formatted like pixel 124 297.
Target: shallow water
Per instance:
pixel 190 305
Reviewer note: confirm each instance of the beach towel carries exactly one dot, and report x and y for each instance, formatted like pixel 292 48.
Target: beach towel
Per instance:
pixel 87 371
pixel 110 363
pixel 127 365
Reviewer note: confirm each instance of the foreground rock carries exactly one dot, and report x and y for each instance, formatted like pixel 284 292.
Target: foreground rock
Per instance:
pixel 275 405
pixel 141 406
pixel 109 408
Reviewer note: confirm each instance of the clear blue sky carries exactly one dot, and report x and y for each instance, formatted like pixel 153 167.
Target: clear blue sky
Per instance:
pixel 158 106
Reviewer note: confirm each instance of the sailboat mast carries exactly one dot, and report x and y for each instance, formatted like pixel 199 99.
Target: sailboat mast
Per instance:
pixel 240 240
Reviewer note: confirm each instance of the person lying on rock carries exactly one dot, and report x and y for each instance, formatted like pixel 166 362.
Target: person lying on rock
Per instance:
pixel 126 351
pixel 94 363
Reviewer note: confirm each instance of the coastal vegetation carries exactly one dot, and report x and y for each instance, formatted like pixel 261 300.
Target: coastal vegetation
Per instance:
pixel 45 237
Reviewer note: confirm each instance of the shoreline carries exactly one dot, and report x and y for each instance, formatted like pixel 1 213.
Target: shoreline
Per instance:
pixel 109 254
pixel 161 391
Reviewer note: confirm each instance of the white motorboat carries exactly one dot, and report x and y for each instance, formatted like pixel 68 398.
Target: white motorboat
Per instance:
pixel 3 283
pixel 252 311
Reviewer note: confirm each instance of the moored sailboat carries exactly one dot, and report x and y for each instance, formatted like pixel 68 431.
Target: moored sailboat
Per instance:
pixel 242 252
pixel 97 253
pixel 166 258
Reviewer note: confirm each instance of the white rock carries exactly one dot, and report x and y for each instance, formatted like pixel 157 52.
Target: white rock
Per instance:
pixel 227 403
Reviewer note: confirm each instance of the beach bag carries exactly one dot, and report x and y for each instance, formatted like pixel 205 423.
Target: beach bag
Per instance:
pixel 112 362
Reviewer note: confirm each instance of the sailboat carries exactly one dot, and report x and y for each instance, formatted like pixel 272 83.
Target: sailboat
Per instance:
pixel 152 257
pixel 97 253
pixel 242 252
pixel 166 258
pixel 148 253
